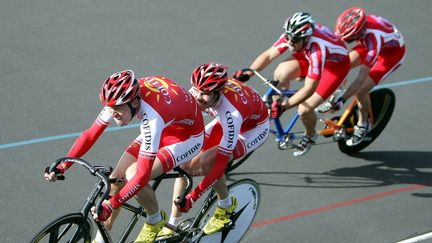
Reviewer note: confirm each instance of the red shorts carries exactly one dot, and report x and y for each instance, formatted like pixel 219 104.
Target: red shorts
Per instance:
pixel 333 75
pixel 388 60
pixel 173 151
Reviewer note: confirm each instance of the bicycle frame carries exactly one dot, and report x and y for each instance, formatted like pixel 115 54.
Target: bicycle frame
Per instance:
pixel 332 127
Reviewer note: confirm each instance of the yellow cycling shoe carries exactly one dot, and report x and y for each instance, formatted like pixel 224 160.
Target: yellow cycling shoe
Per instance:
pixel 220 218
pixel 164 233
pixel 150 231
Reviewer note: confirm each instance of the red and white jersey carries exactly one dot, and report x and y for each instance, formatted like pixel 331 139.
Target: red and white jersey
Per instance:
pixel 240 108
pixel 323 46
pixel 379 35
pixel 166 109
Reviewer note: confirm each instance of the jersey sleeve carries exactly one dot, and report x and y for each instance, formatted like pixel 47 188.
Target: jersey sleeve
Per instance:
pixel 373 46
pixel 281 44
pixel 317 57
pixel 87 138
pixel 231 123
pixel 152 126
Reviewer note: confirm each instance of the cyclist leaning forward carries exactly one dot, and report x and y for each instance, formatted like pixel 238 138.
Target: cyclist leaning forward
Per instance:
pixel 380 50
pixel 172 133
pixel 240 126
pixel 319 55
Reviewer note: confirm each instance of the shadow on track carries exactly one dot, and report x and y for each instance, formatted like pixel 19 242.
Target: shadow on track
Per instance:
pixel 386 168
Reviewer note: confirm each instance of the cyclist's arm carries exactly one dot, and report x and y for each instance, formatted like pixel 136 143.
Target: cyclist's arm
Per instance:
pixel 317 57
pixel 231 131
pixel 213 175
pixel 303 93
pixel 87 139
pixel 264 59
pixel 151 130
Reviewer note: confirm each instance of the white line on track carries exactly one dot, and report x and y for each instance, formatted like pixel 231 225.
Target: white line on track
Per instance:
pixel 73 135
pixel 418 238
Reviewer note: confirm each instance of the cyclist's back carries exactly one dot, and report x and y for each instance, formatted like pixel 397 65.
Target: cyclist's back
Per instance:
pixel 238 97
pixel 170 106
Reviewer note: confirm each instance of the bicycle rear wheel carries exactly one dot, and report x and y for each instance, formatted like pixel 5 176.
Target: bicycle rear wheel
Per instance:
pixel 383 102
pixel 248 195
pixel 233 164
pixel 68 228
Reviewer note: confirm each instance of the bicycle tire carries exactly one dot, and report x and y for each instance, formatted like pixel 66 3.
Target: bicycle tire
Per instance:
pixel 248 195
pixel 233 164
pixel 66 224
pixel 383 102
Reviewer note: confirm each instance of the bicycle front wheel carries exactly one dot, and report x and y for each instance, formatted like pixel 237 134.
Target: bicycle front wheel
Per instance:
pixel 248 195
pixel 382 102
pixel 68 228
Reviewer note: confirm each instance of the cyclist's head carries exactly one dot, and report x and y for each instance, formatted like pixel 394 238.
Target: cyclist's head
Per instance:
pixel 210 77
pixel 299 26
pixel 120 88
pixel 350 23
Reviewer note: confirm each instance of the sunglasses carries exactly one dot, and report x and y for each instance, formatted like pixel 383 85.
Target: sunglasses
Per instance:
pixel 293 39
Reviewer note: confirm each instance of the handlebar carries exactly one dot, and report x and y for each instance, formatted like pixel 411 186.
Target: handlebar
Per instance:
pixel 266 81
pixel 102 172
pixel 188 180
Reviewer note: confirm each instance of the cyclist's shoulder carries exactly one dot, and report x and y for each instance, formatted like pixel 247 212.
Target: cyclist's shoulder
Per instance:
pixel 155 81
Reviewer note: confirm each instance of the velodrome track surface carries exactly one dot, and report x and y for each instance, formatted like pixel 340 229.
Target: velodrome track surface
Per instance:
pixel 55 54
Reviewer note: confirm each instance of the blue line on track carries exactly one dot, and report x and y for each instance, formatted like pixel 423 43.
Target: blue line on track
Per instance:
pixel 135 125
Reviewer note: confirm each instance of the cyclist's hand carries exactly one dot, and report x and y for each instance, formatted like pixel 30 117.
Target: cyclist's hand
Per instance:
pixel 54 175
pixel 277 109
pixel 241 76
pixel 184 203
pixel 104 214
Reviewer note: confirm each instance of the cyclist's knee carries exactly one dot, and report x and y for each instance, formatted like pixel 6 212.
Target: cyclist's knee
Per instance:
pixel 286 71
pixel 304 110
pixel 115 188
pixel 206 164
pixel 130 171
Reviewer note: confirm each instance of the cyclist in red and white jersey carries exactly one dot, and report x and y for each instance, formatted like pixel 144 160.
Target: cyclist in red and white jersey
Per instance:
pixel 240 126
pixel 318 55
pixel 172 133
pixel 379 51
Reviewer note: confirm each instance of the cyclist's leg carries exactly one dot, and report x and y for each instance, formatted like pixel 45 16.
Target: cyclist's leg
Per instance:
pixel 331 78
pixel 175 151
pixel 146 197
pixel 193 165
pixel 307 114
pixel 386 63
pixel 125 161
pixel 289 69
pixel 356 56
pixel 363 100
pixel 248 141
pixel 179 185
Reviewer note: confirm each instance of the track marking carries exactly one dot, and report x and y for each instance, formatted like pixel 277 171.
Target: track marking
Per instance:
pixel 417 238
pixel 112 129
pixel 323 209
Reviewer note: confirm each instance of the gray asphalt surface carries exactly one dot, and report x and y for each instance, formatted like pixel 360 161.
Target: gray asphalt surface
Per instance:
pixel 55 54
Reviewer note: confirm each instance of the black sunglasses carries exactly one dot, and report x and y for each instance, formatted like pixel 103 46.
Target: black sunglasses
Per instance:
pixel 293 39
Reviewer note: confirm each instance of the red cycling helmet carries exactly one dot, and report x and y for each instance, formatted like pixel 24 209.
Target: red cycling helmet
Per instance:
pixel 209 77
pixel 119 88
pixel 350 23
